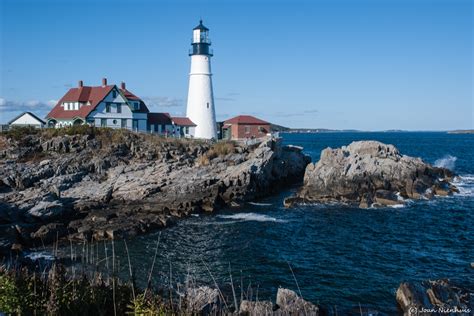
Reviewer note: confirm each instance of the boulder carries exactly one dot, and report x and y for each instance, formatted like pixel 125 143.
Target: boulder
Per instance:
pixel 202 301
pixel 290 303
pixel 439 297
pixel 368 172
pixel 252 308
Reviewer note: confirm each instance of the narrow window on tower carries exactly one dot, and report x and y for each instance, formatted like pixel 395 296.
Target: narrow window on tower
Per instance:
pixel 208 105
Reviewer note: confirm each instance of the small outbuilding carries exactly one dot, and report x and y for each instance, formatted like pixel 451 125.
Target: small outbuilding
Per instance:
pixel 245 127
pixel 183 127
pixel 27 119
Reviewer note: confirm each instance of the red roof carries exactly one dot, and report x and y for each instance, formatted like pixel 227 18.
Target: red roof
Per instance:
pixel 246 119
pixel 86 94
pixel 182 121
pixel 159 118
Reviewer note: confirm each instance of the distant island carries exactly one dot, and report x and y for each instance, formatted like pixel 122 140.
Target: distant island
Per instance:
pixel 462 131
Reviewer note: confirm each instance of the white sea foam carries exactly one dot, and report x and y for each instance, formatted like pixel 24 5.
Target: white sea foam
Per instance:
pixel 397 206
pixel 465 184
pixel 448 162
pixel 40 255
pixel 252 217
pixel 260 204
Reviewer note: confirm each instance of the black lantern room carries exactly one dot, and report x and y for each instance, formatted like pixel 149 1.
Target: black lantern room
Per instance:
pixel 201 41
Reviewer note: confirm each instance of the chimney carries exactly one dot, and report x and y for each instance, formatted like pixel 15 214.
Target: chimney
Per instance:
pixel 122 85
pixel 80 84
pixel 104 82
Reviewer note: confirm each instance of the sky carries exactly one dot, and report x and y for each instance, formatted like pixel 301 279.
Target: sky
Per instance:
pixel 339 64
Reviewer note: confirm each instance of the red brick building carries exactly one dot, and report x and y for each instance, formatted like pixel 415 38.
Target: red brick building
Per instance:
pixel 245 127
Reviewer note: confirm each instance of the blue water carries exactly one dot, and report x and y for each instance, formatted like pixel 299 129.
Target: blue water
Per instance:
pixel 340 256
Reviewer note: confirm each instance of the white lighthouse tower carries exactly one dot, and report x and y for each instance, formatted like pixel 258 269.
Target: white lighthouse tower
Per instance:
pixel 200 108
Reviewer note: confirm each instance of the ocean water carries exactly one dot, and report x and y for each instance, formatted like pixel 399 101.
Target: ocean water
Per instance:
pixel 335 255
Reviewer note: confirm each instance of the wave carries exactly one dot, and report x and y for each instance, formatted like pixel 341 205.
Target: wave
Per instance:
pixel 252 217
pixel 465 184
pixel 40 255
pixel 448 162
pixel 260 204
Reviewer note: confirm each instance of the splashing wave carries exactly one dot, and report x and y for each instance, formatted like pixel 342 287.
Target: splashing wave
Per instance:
pixel 448 162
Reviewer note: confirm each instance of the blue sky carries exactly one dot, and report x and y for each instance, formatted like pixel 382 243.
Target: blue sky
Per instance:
pixel 353 64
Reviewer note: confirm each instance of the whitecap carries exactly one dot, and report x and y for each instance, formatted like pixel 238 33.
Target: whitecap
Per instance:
pixel 260 204
pixel 465 184
pixel 251 217
pixel 448 162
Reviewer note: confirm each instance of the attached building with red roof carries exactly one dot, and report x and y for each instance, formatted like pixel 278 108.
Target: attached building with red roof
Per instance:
pixel 245 127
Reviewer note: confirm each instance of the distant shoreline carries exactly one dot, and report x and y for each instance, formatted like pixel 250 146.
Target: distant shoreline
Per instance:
pixel 323 130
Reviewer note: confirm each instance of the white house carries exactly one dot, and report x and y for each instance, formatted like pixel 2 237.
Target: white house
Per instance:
pixel 101 106
pixel 27 119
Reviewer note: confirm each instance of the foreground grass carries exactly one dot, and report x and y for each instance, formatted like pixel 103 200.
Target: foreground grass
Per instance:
pixel 56 293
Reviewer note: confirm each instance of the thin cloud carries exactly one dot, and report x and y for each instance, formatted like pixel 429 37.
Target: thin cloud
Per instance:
pixel 231 96
pixel 163 102
pixel 36 106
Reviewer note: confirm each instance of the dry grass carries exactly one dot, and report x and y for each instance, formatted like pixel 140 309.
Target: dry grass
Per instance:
pixel 219 149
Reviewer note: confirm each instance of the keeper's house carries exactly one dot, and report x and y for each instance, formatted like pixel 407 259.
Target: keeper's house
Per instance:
pixel 102 106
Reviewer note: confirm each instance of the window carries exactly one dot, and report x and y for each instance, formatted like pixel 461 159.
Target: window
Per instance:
pixel 247 129
pixel 186 129
pixel 119 108
pixel 135 125
pixel 76 106
pixel 124 123
pixel 115 122
pixel 114 94
pixel 208 105
pixel 136 105
pixel 107 107
pixel 103 122
pixel 156 127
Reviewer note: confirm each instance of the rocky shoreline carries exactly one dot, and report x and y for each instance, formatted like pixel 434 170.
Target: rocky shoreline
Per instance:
pixel 370 173
pixel 95 184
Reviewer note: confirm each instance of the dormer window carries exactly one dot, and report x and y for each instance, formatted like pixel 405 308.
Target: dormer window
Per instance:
pixel 114 94
pixel 136 105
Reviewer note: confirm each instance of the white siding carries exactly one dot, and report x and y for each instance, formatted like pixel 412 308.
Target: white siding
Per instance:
pixel 113 119
pixel 27 119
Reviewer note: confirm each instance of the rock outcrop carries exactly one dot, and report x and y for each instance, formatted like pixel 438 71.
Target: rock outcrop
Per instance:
pixel 287 303
pixel 112 184
pixel 371 173
pixel 438 297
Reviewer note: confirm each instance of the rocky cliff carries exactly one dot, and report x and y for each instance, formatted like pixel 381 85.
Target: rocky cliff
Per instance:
pixel 99 184
pixel 371 173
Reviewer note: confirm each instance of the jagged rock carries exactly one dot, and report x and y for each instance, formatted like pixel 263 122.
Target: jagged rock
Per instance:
pixel 290 303
pixel 368 172
pixel 81 176
pixel 439 297
pixel 202 301
pixel 251 308
pixel 46 210
pixel 49 233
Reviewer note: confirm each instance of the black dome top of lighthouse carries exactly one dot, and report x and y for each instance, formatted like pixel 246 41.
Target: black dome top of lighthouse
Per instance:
pixel 201 27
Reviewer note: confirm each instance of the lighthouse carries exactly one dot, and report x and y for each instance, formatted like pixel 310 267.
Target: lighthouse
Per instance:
pixel 200 108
